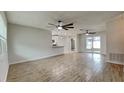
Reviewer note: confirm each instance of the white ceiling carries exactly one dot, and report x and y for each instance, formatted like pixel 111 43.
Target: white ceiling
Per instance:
pixel 94 20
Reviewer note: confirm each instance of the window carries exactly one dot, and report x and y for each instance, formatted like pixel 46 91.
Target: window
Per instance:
pixel 93 42
pixel 89 43
pixel 96 42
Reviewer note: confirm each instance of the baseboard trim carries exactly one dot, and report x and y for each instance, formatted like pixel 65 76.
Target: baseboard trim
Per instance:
pixel 115 62
pixel 28 60
pixel 94 53
pixel 6 74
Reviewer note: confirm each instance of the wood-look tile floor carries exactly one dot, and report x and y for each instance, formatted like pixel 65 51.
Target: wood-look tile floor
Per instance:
pixel 75 67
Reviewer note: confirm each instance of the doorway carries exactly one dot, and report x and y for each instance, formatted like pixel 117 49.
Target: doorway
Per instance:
pixel 93 44
pixel 72 44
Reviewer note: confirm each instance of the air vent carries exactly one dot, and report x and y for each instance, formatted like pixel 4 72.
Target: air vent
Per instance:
pixel 116 57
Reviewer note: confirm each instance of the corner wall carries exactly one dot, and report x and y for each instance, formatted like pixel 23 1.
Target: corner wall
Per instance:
pixel 115 40
pixel 27 43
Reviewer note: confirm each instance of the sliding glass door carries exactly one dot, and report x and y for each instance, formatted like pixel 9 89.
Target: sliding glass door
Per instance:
pixel 93 43
pixel 89 43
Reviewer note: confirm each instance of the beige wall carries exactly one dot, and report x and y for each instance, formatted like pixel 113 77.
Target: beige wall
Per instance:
pixel 4 56
pixel 26 43
pixel 115 38
pixel 115 35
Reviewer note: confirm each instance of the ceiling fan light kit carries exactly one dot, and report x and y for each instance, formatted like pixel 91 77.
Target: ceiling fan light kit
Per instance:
pixel 61 26
pixel 87 32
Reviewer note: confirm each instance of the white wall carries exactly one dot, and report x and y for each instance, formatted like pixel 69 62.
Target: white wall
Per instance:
pixel 67 43
pixel 82 42
pixel 115 35
pixel 59 40
pixel 103 42
pixel 26 43
pixel 4 56
pixel 115 39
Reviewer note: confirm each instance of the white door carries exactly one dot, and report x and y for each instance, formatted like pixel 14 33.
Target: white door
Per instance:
pixel 93 43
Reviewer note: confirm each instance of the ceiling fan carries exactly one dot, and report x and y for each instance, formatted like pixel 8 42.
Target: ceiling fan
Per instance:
pixel 60 25
pixel 87 32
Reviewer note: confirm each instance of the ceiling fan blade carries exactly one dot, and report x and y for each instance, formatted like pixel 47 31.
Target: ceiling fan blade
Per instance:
pixel 67 25
pixel 52 24
pixel 65 28
pixel 92 33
